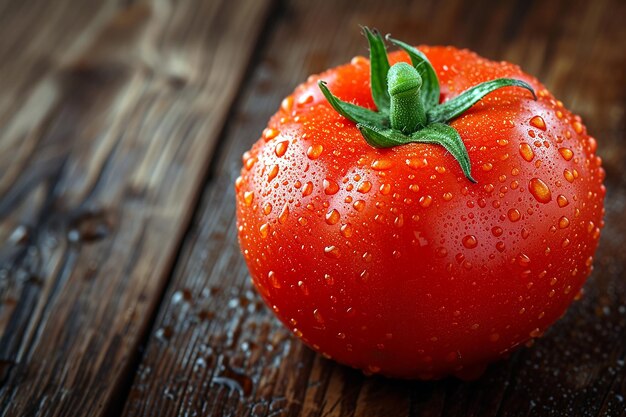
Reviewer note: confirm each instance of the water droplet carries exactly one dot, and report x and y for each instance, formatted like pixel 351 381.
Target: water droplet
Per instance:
pixel 267 209
pixel 536 333
pixel 307 189
pixel 523 260
pixel 284 214
pixel 364 187
pixel 273 172
pixel 414 187
pixel 487 167
pixel 578 127
pixel 563 222
pixel 566 153
pixel 425 201
pixel 568 175
pixel 399 221
pixel 470 241
pixel 238 183
pixel 496 231
pixel 314 151
pixel 303 221
pixel 249 161
pixel 330 187
pixel 269 134
pixel 416 163
pixel 287 104
pixel 305 99
pixel 264 230
pixel 385 189
pixel 540 190
pixel 329 279
pixel 562 201
pixel 332 217
pixel 381 164
pixel 538 122
pixel 332 252
pixel 346 230
pixel 248 197
pixel 447 196
pixel 271 276
pixel 318 316
pixel 281 148
pixel 514 215
pixel 526 151
pixel 359 205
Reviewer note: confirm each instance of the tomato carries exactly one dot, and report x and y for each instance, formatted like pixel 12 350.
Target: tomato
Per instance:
pixel 390 259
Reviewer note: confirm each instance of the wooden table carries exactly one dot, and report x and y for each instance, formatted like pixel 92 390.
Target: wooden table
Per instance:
pixel 122 126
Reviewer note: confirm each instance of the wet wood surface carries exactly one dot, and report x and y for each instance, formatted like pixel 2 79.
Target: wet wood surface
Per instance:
pixel 122 126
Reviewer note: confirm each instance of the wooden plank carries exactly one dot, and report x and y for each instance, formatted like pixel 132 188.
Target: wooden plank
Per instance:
pixel 217 350
pixel 99 184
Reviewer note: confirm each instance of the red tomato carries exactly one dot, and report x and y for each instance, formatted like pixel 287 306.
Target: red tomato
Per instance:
pixel 390 260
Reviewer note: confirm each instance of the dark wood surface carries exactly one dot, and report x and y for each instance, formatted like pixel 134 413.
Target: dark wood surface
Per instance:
pixel 122 124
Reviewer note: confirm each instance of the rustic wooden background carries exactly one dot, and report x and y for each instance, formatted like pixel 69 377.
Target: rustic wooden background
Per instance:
pixel 122 124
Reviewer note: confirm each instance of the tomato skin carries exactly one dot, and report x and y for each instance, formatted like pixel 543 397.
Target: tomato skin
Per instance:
pixel 390 260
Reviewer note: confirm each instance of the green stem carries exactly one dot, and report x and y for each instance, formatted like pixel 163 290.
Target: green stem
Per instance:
pixel 406 111
pixel 407 101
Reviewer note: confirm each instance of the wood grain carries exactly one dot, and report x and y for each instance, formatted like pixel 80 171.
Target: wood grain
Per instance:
pixel 217 350
pixel 109 116
pixel 112 119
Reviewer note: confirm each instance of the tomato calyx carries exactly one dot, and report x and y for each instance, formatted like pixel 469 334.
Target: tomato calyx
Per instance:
pixel 407 100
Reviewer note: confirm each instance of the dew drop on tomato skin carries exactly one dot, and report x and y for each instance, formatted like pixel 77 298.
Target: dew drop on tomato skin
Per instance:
pixel 330 187
pixel 385 189
pixel 284 214
pixel 496 231
pixel 540 190
pixel 281 148
pixel 273 172
pixel 273 280
pixel 364 187
pixel 248 198
pixel 562 201
pixel 470 241
pixel 526 151
pixel 347 230
pixel 332 217
pixel 332 252
pixel 307 189
pixel 314 151
pixel 359 205
pixel 382 164
pixel 566 153
pixel 538 122
pixel 514 215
